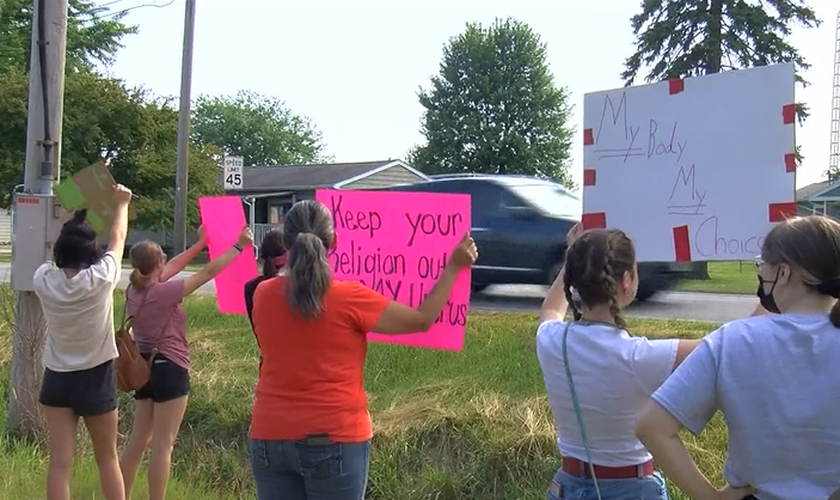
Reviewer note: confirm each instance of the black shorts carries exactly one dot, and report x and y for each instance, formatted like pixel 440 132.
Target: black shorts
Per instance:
pixel 169 381
pixel 88 392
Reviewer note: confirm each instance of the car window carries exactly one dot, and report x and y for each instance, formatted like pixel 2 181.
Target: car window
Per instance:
pixel 509 199
pixel 481 203
pixel 550 199
pixel 485 196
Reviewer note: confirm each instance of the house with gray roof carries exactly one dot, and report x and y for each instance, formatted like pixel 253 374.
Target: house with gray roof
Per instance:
pixel 819 198
pixel 268 192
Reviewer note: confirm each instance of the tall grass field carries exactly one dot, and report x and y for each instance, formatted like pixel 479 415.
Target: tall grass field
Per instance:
pixel 468 425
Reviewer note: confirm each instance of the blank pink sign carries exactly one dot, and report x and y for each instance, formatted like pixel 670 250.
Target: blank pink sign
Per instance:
pixel 398 245
pixel 223 219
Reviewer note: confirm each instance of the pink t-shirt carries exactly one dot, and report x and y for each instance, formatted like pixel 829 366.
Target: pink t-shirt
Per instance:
pixel 160 321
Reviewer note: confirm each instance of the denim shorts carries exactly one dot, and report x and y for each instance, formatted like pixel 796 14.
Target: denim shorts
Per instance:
pixel 300 470
pixel 568 487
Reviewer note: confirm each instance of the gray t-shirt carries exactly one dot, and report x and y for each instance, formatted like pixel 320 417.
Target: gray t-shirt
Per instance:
pixel 776 379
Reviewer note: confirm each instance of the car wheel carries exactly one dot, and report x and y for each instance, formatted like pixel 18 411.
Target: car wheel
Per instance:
pixel 644 294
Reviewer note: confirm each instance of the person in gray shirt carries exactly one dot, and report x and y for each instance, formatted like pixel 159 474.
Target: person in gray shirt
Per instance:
pixel 775 378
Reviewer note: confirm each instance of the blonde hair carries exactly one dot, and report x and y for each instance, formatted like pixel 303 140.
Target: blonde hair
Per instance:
pixel 145 257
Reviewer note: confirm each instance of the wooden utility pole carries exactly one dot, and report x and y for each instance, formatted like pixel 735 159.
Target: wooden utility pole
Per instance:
pixel 43 159
pixel 182 167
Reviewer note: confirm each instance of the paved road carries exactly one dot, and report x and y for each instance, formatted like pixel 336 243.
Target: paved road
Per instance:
pixel 668 305
pixel 712 307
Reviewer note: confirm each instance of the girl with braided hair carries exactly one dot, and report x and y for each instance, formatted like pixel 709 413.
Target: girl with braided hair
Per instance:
pixel 597 375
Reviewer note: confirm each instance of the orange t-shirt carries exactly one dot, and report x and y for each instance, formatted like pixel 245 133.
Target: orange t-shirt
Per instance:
pixel 312 376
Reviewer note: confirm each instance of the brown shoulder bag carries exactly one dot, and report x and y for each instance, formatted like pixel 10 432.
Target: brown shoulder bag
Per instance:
pixel 133 372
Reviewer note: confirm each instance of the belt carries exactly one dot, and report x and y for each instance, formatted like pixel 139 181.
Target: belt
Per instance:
pixel 579 468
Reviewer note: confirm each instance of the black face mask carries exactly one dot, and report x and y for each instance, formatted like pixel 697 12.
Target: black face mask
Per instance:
pixel 766 298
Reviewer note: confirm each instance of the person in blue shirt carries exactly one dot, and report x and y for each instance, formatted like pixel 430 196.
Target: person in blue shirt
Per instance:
pixel 775 377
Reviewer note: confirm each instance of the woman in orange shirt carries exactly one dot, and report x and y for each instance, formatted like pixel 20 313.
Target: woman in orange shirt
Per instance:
pixel 310 429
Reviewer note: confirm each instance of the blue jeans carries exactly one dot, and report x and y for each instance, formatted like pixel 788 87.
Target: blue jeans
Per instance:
pixel 568 487
pixel 296 470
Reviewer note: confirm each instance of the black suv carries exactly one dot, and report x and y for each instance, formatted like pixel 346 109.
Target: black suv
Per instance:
pixel 519 225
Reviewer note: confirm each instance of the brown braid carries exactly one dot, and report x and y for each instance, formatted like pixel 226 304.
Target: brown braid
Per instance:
pixel 595 264
pixel 610 285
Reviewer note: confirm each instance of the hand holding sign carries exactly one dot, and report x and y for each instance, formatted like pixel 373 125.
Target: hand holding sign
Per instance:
pixel 465 254
pixel 121 195
pixel 91 188
pixel 246 237
pixel 202 236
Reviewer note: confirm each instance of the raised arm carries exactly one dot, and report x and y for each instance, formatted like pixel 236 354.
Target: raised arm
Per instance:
pixel 180 261
pixel 215 266
pixel 119 227
pixel 400 318
pixel 555 305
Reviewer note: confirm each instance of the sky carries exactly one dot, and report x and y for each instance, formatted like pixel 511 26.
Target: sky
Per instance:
pixel 355 67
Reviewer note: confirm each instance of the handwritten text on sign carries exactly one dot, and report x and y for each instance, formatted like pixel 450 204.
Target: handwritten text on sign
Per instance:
pixel 714 156
pixel 398 244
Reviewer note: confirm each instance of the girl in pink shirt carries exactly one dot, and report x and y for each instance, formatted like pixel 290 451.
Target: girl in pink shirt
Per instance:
pixel 153 301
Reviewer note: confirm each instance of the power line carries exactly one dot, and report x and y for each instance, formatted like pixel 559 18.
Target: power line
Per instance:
pixel 121 12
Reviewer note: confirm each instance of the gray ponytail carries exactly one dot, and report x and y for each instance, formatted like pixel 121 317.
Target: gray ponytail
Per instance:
pixel 307 233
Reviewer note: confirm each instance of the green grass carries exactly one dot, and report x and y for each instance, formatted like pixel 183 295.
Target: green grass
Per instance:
pixel 469 425
pixel 725 277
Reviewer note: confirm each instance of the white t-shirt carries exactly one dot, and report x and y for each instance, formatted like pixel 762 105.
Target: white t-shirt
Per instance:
pixel 776 378
pixel 79 313
pixel 614 376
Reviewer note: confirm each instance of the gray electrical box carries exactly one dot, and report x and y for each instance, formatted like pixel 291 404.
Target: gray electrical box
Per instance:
pixel 37 223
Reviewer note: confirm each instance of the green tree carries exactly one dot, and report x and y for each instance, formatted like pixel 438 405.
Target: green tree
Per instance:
pixel 105 120
pixel 683 38
pixel 94 35
pixel 494 107
pixel 13 105
pixel 147 166
pixel 259 128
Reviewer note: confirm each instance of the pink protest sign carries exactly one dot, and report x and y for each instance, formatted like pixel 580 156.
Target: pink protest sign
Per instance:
pixel 398 244
pixel 223 219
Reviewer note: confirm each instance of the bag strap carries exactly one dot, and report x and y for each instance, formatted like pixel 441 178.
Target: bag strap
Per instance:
pixel 576 408
pixel 125 322
pixel 124 307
